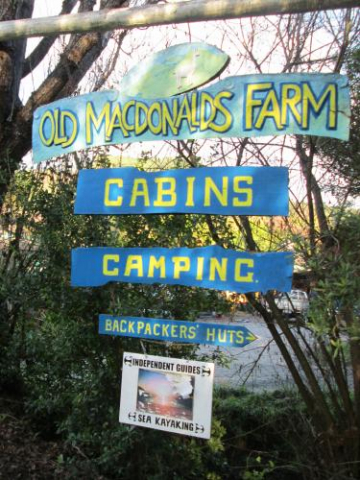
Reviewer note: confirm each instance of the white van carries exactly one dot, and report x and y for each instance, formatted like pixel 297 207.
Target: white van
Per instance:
pixel 294 302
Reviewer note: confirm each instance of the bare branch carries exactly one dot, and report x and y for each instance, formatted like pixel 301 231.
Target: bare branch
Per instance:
pixel 42 49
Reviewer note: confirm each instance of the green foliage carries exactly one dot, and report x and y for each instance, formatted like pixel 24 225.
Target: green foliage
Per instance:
pixel 342 157
pixel 259 474
pixel 69 375
pixel 336 305
pixel 263 433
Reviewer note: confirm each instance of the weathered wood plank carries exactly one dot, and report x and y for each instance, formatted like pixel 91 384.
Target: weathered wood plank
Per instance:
pixel 151 15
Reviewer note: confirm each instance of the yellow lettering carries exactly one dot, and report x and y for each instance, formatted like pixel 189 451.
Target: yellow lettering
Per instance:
pixel 140 189
pixel 200 268
pixel 134 262
pixel 270 109
pixel 184 114
pixel 222 336
pixel 192 332
pixel 125 110
pixel 73 120
pixel 107 200
pixel 115 122
pixel 251 103
pixel 210 334
pixel 222 109
pixel 183 331
pixel 168 118
pixel 206 104
pixel 210 186
pixel 181 264
pixel 190 192
pixel 50 140
pixel 108 325
pixel 194 121
pixel 238 270
pixel 156 263
pixel 239 337
pixel 123 326
pixel 58 140
pixel 106 260
pixel 216 267
pixel 290 102
pixel 91 120
pixel 58 128
pixel 329 96
pixel 248 201
pixel 162 192
pixel 140 127
pixel 155 108
pixel 231 334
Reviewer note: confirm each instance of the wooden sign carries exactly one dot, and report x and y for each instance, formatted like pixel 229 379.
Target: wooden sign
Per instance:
pixel 178 331
pixel 206 267
pixel 246 106
pixel 215 190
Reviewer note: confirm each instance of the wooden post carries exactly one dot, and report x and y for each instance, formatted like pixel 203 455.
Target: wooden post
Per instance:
pixel 151 15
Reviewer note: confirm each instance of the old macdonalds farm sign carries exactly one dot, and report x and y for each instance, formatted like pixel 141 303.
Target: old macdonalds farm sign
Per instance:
pixel 206 267
pixel 239 106
pixel 216 190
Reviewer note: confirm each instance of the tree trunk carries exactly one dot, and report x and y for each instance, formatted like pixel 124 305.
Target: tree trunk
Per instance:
pixel 15 118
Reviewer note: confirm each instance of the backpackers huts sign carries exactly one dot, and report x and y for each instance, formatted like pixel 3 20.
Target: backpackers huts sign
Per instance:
pixel 239 106
pixel 180 331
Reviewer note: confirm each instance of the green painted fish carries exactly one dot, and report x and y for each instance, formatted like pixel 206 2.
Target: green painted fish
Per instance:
pixel 175 70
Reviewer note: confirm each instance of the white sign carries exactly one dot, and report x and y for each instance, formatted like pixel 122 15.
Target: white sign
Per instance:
pixel 167 394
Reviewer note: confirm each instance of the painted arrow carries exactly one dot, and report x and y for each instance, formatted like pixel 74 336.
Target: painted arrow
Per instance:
pixel 205 371
pixel 128 360
pixel 199 428
pixel 251 337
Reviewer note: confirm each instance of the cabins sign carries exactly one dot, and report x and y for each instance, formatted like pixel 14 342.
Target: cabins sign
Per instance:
pixel 216 190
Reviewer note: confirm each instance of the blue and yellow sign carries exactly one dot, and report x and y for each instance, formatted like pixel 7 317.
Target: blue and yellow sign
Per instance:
pixel 216 190
pixel 239 106
pixel 206 267
pixel 179 331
